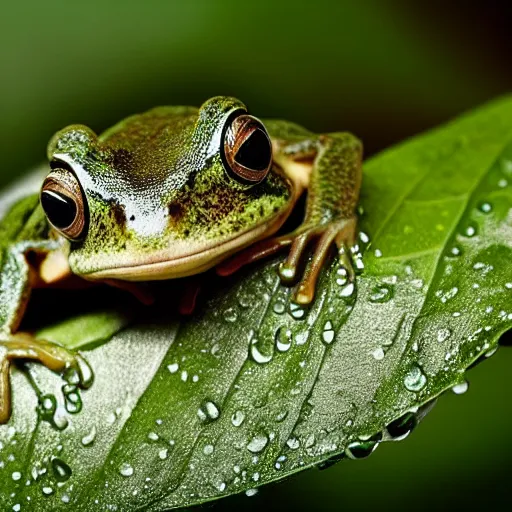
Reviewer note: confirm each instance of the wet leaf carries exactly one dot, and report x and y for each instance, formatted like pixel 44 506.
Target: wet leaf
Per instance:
pixel 251 388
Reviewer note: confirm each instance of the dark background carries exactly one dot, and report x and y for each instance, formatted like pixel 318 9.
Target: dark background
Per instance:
pixel 384 70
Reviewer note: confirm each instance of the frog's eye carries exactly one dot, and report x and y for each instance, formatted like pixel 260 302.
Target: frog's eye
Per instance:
pixel 64 204
pixel 247 149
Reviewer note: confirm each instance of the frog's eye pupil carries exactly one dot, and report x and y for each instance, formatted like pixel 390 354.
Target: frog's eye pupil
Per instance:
pixel 60 209
pixel 247 151
pixel 64 203
pixel 255 153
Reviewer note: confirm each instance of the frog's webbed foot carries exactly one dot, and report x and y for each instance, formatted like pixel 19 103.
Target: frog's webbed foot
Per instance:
pixel 23 346
pixel 342 233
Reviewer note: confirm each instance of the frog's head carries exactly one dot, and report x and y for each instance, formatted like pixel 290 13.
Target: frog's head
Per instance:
pixel 167 193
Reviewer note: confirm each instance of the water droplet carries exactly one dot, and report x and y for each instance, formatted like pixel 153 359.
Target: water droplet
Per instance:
pixel 89 438
pixel 460 389
pixel 16 476
pixel 470 231
pixel 16 507
pixel 257 443
pixel 378 354
pixel 251 492
pixel 296 311
pixel 328 333
pixel 364 237
pixel 230 315
pixel 208 449
pixel 126 469
pixel 281 416
pixel 256 355
pixel 348 290
pixel 163 454
pixel 485 207
pixel 61 470
pixel 443 334
pixel 502 183
pixel 47 491
pixel 153 436
pixel 415 380
pixel 173 368
pixel 279 307
pixel 47 408
pixel 402 427
pixel 237 418
pixel 283 339
pixel 310 441
pixel 72 400
pixel 455 251
pixel 208 411
pixel 361 450
pixel 491 352
pixel 446 296
pixel 293 443
pixel 378 253
pixel 382 293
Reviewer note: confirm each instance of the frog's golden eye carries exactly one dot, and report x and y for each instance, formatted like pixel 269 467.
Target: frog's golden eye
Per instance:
pixel 247 149
pixel 64 204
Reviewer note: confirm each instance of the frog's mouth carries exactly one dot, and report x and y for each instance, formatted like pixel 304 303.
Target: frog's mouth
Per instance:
pixel 183 258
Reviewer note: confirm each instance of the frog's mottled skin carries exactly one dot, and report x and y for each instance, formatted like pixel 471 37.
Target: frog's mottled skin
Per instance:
pixel 162 205
pixel 158 192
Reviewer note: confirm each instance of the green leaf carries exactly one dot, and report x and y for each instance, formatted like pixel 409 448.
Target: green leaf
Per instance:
pixel 250 389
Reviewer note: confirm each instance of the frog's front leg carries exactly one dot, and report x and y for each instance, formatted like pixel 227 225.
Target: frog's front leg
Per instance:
pixel 23 346
pixel 16 280
pixel 329 166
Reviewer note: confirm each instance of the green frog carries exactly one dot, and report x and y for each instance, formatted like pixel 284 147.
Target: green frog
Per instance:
pixel 170 193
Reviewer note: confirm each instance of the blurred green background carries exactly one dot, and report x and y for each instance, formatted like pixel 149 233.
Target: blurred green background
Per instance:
pixel 384 70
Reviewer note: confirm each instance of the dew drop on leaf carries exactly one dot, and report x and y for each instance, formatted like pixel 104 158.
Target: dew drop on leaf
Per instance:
pixel 296 311
pixel 230 315
pixel 415 380
pixel 361 450
pixel 470 231
pixel 89 438
pixel 293 443
pixel 237 418
pixel 328 333
pixel 378 354
pixel 382 293
pixel 283 339
pixel 402 427
pixel 126 469
pixel 257 443
pixel 208 411
pixel 279 307
pixel 443 334
pixel 485 207
pixel 61 470
pixel 460 389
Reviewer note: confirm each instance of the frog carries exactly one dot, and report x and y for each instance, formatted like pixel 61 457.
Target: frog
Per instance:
pixel 171 193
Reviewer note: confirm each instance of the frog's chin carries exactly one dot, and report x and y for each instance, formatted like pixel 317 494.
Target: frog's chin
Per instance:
pixel 174 263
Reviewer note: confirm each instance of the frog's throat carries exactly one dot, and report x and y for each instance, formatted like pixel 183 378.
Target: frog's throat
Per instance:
pixel 164 265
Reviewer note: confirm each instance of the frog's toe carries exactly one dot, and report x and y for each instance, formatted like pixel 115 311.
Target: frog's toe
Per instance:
pixel 305 291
